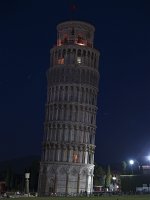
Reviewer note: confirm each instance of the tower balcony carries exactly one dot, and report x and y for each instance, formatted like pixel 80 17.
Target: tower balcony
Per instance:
pixel 75 32
pixel 78 41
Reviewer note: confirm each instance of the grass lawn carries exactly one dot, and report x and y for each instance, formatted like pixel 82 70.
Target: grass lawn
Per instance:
pixel 115 197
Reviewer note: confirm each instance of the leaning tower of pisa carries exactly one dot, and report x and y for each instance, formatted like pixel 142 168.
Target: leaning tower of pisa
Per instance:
pixel 68 146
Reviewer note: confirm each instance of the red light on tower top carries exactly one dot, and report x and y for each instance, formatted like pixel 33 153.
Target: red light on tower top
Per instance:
pixel 73 8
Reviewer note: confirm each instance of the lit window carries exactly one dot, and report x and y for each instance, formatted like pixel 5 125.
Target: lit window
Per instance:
pixel 61 61
pixel 81 41
pixel 58 42
pixel 78 60
pixel 81 44
pixel 75 157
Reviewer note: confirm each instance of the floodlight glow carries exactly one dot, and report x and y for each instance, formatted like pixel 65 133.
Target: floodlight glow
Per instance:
pixel 131 162
pixel 148 157
pixel 79 60
pixel 81 44
pixel 114 178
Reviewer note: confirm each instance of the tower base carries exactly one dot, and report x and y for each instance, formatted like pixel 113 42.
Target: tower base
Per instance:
pixel 70 178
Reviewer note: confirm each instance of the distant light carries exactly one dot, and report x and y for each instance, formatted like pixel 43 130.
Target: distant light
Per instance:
pixel 148 157
pixel 79 60
pixel 131 162
pixel 81 44
pixel 114 178
pixel 27 175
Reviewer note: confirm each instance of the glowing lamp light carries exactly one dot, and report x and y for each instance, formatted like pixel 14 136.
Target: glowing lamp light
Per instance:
pixel 27 175
pixel 78 60
pixel 131 162
pixel 81 44
pixel 114 178
pixel 148 157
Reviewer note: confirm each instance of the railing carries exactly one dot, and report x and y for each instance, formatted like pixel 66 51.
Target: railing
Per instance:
pixel 80 42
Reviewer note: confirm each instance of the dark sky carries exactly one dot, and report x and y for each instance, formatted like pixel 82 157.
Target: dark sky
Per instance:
pixel 28 31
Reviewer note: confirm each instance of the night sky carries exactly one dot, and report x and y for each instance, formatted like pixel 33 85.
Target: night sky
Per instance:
pixel 28 31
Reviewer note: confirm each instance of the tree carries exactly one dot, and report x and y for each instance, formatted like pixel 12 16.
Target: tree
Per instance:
pixel 124 167
pixel 102 180
pixel 8 177
pixel 99 175
pixel 108 177
pixel 12 180
pixel 34 173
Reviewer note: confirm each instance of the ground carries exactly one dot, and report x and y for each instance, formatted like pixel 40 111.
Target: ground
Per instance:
pixel 115 197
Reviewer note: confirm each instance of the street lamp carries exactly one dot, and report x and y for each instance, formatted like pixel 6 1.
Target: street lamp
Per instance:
pixel 115 186
pixel 114 178
pixel 148 158
pixel 27 176
pixel 131 162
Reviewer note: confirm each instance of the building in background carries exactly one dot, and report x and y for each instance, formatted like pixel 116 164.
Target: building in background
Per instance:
pixel 2 187
pixel 67 162
pixel 145 169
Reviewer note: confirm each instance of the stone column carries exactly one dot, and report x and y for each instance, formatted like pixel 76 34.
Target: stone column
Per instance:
pixel 46 154
pixel 78 184
pixel 62 113
pixel 43 154
pixel 75 134
pixel 87 59
pixel 50 95
pixel 83 115
pixel 52 153
pixel 67 182
pixel 68 113
pixel 63 93
pixel 58 153
pixel 27 176
pixel 84 97
pixel 69 94
pixel 79 91
pixel 91 189
pixel 69 133
pixel 88 183
pixel 51 113
pixel 78 113
pixel 70 153
pixel 56 117
pixel 86 155
pixel 55 186
pixel 92 157
pixel 81 153
pixel 64 159
pixel 88 94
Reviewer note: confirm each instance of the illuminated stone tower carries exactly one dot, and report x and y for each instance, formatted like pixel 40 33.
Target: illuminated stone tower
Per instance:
pixel 67 162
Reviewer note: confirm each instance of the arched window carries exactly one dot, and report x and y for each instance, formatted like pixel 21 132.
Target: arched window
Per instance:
pixel 75 157
pixel 71 93
pixel 79 56
pixel 51 186
pixel 72 31
pixel 66 93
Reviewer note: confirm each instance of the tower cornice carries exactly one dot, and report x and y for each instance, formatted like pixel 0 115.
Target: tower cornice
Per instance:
pixel 76 23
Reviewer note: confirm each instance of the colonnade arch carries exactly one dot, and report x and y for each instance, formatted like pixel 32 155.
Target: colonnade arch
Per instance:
pixel 69 55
